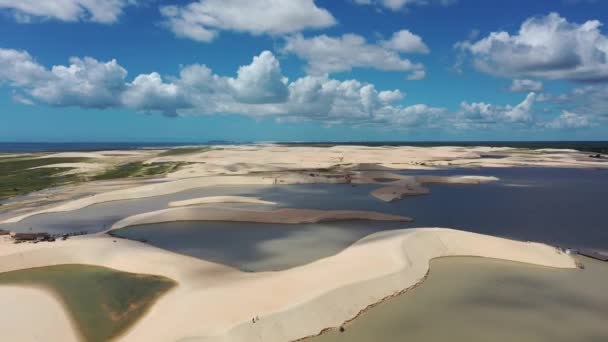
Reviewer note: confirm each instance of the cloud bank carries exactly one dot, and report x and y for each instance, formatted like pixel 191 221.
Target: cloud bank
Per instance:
pixel 259 89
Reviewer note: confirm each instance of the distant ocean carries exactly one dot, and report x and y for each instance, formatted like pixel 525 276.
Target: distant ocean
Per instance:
pixel 25 147
pixel 79 146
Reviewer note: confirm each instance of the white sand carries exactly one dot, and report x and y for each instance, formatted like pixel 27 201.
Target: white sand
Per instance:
pixel 220 199
pixel 31 314
pixel 291 304
pixel 246 159
pixel 283 215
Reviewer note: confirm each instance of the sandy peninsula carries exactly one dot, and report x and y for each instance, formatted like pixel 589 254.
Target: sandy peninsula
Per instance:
pixel 220 199
pixel 284 215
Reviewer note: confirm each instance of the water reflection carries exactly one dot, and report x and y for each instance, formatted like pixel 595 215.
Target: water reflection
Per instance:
pixel 552 205
pixel 256 246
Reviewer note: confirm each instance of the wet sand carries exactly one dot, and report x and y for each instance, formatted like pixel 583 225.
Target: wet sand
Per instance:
pixel 478 299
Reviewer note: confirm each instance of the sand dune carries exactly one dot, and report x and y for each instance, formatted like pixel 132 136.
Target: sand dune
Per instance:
pixel 291 304
pixel 35 315
pixel 214 302
pixel 271 158
pixel 284 215
pixel 220 199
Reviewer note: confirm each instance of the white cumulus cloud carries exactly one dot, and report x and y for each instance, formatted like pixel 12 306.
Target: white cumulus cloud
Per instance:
pixel 85 82
pixel 416 75
pixel 101 11
pixel 548 47
pixel 485 114
pixel 569 120
pixel 407 42
pixel 261 81
pixel 396 5
pixel 592 100
pixel 259 89
pixel 148 92
pixel 525 85
pixel 202 20
pixel 388 96
pixel 326 55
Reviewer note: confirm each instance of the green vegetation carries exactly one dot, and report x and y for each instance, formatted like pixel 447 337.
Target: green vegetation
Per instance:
pixel 185 150
pixel 138 169
pixel 4 158
pixel 103 302
pixel 17 176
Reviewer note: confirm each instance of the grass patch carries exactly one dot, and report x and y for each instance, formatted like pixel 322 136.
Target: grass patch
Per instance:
pixel 138 169
pixel 17 177
pixel 103 302
pixel 185 150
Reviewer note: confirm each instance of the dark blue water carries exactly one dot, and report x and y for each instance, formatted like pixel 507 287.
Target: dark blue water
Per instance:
pixel 80 146
pixel 564 207
pixel 558 206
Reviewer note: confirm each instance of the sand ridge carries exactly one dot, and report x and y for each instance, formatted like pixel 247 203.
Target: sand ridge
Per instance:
pixel 283 215
pixel 220 199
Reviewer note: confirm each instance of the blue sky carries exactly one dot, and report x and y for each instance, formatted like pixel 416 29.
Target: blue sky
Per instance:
pixel 294 70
